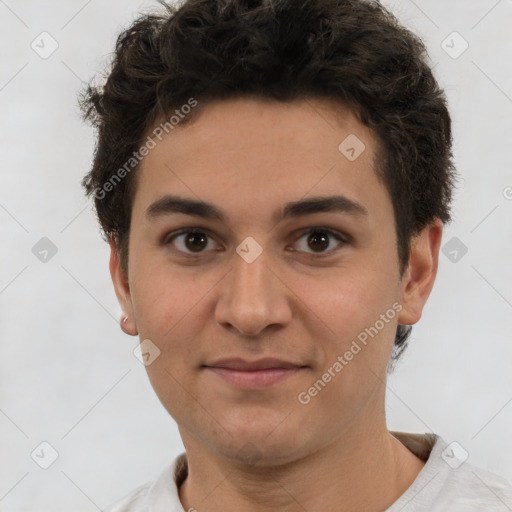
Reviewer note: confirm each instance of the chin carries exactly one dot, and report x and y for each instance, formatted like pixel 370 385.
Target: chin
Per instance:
pixel 265 445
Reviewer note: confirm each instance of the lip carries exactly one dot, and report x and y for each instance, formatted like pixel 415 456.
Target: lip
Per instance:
pixel 259 374
pixel 237 363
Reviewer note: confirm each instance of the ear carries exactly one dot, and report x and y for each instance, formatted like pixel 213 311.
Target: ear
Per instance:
pixel 122 289
pixel 418 279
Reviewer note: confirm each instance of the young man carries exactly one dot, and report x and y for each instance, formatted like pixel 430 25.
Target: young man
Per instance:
pixel 273 179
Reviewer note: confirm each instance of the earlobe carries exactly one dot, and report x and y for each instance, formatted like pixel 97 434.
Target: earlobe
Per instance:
pixel 122 290
pixel 418 279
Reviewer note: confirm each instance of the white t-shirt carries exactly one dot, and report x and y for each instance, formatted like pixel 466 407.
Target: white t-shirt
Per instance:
pixel 446 483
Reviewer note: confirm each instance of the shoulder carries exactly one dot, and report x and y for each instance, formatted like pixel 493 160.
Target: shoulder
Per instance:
pixel 469 488
pixel 135 501
pixel 159 495
pixel 448 482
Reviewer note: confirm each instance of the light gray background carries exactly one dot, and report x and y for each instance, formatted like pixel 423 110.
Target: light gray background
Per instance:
pixel 68 374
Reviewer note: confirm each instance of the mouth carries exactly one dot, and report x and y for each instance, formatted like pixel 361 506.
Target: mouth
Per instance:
pixel 254 375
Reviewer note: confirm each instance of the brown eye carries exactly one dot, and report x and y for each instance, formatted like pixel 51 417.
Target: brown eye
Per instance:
pixel 189 241
pixel 196 241
pixel 319 241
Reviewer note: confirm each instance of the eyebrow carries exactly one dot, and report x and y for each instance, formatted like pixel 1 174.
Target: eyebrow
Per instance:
pixel 169 205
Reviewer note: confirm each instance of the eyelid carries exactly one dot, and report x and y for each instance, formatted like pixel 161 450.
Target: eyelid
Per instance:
pixel 334 232
pixel 173 234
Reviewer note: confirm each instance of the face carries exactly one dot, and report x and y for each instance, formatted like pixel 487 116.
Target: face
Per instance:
pixel 275 317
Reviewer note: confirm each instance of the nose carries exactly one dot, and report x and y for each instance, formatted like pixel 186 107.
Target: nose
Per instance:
pixel 253 297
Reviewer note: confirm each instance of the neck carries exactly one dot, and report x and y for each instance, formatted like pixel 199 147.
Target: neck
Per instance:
pixel 358 471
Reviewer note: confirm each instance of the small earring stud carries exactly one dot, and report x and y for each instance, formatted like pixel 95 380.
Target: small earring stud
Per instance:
pixel 125 319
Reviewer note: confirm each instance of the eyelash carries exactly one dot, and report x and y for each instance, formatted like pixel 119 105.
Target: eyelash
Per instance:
pixel 168 239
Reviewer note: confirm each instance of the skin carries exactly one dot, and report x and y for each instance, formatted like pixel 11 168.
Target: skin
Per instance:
pixel 249 157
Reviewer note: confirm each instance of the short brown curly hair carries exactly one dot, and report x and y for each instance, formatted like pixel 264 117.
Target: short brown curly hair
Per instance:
pixel 351 51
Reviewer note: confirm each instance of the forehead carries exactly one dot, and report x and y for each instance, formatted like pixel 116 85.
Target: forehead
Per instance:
pixel 248 154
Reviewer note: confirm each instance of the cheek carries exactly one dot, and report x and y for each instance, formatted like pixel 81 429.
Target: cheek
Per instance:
pixel 358 310
pixel 347 302
pixel 163 296
pixel 354 363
